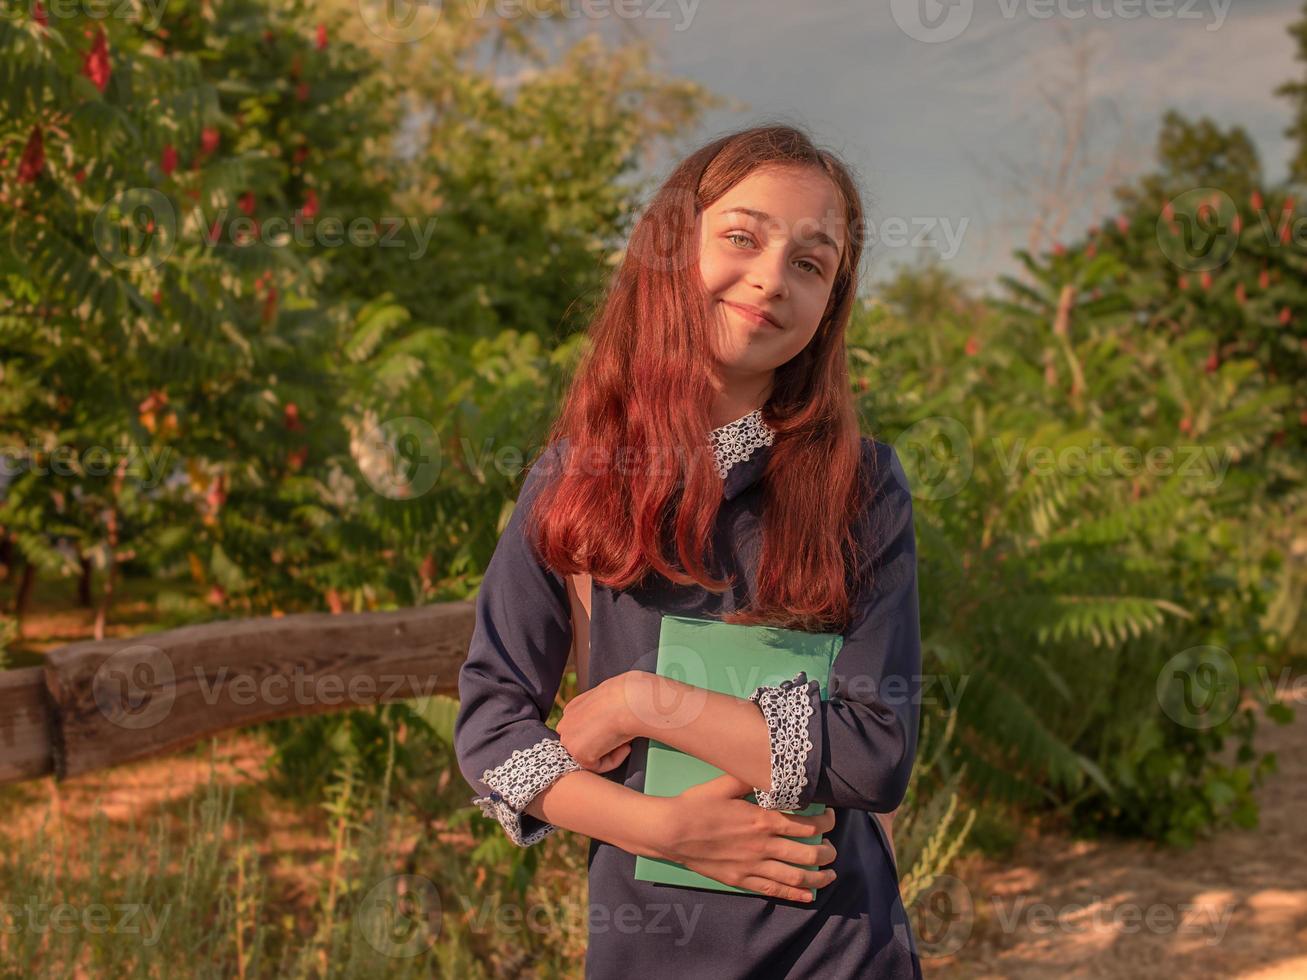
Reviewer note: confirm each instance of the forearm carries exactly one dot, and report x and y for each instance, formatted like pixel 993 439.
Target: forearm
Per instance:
pixel 590 804
pixel 728 732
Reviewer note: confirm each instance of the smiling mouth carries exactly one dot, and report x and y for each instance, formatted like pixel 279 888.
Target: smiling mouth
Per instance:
pixel 753 315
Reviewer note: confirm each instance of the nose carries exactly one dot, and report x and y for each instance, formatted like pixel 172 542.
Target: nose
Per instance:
pixel 767 272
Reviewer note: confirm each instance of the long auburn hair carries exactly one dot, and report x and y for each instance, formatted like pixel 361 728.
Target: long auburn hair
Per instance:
pixel 638 466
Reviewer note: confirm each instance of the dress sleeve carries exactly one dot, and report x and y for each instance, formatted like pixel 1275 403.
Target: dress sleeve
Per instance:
pixel 506 687
pixel 856 749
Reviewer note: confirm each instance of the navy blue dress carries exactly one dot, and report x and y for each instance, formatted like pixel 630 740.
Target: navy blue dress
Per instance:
pixel 863 743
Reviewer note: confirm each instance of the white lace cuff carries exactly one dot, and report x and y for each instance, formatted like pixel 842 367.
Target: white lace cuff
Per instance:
pixel 516 782
pixel 787 708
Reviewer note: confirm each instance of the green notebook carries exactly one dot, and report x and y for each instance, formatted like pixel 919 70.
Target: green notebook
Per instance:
pixel 731 659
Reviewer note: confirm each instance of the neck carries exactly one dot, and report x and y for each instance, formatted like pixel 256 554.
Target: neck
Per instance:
pixel 736 398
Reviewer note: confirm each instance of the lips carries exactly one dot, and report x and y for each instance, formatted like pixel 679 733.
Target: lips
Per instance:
pixel 754 313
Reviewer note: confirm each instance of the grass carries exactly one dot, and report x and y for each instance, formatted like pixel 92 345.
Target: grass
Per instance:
pixel 202 892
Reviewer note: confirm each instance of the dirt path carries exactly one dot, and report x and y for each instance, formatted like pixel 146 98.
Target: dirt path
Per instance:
pixel 1233 906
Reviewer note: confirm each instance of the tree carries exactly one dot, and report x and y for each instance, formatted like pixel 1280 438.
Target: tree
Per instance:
pixel 137 326
pixel 1081 148
pixel 1296 92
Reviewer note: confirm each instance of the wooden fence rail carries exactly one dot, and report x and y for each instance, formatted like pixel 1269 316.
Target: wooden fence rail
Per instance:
pixel 102 703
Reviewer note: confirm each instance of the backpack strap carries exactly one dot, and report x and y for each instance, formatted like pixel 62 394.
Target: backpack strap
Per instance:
pixel 580 590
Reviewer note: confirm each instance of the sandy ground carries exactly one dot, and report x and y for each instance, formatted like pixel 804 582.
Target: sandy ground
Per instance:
pixel 1233 906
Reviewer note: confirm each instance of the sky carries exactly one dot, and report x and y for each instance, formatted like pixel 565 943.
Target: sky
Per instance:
pixel 933 104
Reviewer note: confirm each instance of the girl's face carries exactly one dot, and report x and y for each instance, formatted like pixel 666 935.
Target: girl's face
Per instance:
pixel 773 243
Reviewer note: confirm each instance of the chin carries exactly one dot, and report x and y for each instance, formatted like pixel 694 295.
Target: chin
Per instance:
pixel 746 362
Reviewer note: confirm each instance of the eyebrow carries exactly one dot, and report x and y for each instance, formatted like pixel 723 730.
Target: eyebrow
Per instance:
pixel 821 236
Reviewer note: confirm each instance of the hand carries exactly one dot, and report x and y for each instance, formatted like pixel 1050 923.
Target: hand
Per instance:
pixel 597 725
pixel 710 830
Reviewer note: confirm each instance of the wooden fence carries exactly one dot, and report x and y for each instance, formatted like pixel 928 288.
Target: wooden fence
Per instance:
pixel 102 703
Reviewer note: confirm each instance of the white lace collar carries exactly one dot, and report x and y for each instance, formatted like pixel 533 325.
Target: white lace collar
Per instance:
pixel 735 441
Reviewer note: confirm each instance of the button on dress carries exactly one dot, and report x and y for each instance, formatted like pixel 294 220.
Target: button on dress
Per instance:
pixel 853 752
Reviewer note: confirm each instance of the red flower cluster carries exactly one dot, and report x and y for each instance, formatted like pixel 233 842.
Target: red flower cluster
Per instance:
pixel 96 64
pixel 32 162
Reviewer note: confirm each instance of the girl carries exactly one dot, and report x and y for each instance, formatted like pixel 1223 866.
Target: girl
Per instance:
pixel 707 462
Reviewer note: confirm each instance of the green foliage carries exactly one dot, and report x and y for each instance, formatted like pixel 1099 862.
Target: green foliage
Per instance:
pixel 925 837
pixel 1060 574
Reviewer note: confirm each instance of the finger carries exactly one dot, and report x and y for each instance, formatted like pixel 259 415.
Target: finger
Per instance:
pixel 780 880
pixel 797 852
pixel 773 889
pixel 793 825
pixel 795 877
pixel 613 758
pixel 820 823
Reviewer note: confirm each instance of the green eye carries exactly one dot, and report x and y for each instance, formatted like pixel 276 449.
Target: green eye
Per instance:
pixel 732 236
